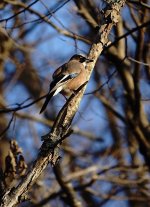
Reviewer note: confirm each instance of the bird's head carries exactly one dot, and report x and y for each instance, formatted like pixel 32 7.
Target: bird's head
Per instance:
pixel 81 58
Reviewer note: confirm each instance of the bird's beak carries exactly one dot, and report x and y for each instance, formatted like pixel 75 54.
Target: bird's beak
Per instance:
pixel 89 60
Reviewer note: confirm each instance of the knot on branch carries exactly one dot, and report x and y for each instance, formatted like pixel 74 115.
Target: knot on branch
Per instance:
pixel 120 3
pixel 111 13
pixel 49 144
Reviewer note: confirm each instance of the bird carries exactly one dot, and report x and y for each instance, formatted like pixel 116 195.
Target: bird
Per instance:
pixel 67 78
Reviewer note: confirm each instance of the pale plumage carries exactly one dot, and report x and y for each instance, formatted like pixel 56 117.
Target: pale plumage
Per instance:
pixel 68 78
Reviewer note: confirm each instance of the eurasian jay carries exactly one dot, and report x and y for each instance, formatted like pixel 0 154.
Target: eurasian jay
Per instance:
pixel 67 78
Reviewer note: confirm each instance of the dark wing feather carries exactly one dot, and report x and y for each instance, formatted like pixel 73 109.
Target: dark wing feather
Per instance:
pixel 55 84
pixel 48 97
pixel 61 80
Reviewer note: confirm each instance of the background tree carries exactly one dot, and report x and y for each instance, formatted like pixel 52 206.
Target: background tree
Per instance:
pixel 106 159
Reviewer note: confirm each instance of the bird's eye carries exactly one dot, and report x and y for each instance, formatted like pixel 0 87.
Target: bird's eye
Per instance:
pixel 82 59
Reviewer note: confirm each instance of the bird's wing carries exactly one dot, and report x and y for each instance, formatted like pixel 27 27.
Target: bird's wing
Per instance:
pixel 61 70
pixel 57 72
pixel 58 83
pixel 61 77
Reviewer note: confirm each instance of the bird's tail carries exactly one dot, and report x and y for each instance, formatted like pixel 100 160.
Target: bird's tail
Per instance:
pixel 48 97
